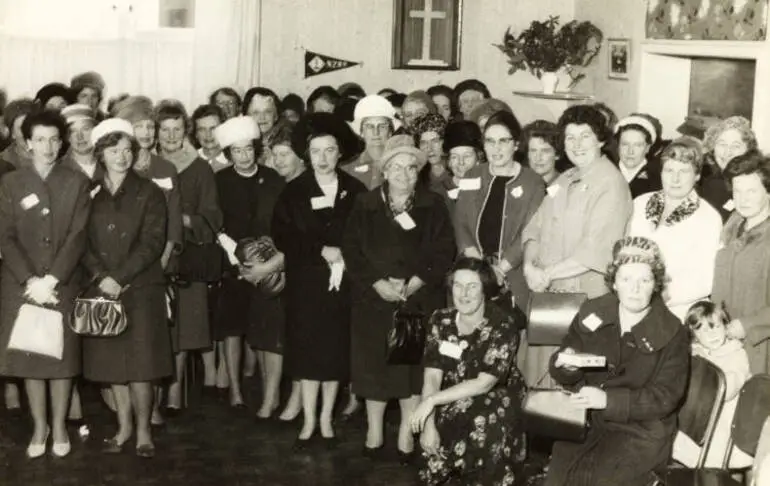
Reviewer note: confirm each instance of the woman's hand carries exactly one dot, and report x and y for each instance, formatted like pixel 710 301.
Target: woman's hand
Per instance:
pixel 331 254
pixel 415 283
pixel 559 363
pixel 736 330
pixel 501 268
pixel 537 278
pixel 429 439
pixel 41 290
pixel 590 397
pixel 472 252
pixel 110 287
pixel 186 221
pixel 254 273
pixel 420 415
pixel 387 291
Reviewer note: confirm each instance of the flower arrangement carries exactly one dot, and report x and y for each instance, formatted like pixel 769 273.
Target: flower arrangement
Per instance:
pixel 544 47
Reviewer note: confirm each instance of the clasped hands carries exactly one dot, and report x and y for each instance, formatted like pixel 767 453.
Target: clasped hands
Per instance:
pixel 419 424
pixel 42 290
pixel 538 279
pixel 588 396
pixel 397 290
pixel 256 272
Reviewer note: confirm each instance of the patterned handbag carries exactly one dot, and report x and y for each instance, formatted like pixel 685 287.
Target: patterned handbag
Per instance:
pixel 98 317
pixel 259 250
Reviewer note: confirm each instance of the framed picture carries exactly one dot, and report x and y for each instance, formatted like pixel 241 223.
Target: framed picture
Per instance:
pixel 426 34
pixel 619 62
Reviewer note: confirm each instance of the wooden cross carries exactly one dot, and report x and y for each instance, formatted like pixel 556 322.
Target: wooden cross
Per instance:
pixel 427 15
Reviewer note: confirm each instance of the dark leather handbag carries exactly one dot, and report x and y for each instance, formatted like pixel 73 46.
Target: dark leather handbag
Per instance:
pixel 98 317
pixel 406 339
pixel 200 262
pixel 549 413
pixel 550 316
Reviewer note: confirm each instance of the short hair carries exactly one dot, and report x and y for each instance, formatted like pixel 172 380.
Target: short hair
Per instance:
pixel 706 312
pixel 548 132
pixel 281 134
pixel 322 93
pixel 351 90
pixel 584 115
pixel 294 102
pixel 396 99
pixel 171 109
pixel 227 91
pixel 44 118
pixel 487 108
pixel 734 122
pixel 752 162
pixel 385 92
pixel 507 120
pixel 471 85
pixel 259 91
pixel 635 127
pixel 686 150
pixel 115 101
pixel 482 268
pixel 256 145
pixel 111 140
pixel 446 91
pixel 202 112
pixel 17 108
pixel 637 249
pixel 432 122
pixel 346 108
pixel 421 96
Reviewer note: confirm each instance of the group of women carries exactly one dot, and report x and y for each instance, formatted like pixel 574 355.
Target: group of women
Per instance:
pixel 370 203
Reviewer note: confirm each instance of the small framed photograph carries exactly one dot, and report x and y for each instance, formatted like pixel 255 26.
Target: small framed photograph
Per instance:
pixel 619 62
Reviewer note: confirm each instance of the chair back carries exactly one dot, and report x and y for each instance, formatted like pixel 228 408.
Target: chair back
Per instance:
pixel 703 403
pixel 551 315
pixel 750 414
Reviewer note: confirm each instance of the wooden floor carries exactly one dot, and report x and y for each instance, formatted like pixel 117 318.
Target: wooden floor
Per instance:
pixel 209 444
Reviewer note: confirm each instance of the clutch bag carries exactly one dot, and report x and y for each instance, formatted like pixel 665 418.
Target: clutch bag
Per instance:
pixel 98 317
pixel 550 316
pixel 38 330
pixel 550 413
pixel 406 338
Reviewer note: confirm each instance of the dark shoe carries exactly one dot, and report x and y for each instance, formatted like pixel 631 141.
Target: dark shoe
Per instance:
pixel 172 412
pixel 111 446
pixel 405 458
pixel 75 422
pixel 241 407
pixel 302 445
pixel 146 451
pixel 221 393
pixel 374 453
pixel 158 426
pixel 330 443
pixel 209 391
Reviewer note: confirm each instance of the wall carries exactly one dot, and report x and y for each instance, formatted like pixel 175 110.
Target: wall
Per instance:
pixel 361 30
pixel 616 18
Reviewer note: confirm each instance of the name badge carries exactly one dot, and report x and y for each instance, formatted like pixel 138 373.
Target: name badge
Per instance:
pixel 517 192
pixel 452 350
pixel 321 202
pixel 164 183
pixel 95 191
pixel 30 201
pixel 592 322
pixel 470 184
pixel 453 193
pixel 553 190
pixel 729 205
pixel 405 221
pixel 361 169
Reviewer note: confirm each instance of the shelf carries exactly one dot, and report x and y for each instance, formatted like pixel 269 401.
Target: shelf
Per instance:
pixel 559 95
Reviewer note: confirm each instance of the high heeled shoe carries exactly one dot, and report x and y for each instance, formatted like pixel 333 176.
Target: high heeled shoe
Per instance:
pixel 61 449
pixel 37 450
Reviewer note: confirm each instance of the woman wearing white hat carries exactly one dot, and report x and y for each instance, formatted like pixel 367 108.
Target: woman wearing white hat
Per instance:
pixel 80 157
pixel 636 136
pixel 398 247
pixel 126 238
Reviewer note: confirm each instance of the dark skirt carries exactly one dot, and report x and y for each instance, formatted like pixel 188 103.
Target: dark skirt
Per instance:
pixel 34 366
pixel 142 352
pixel 191 327
pixel 244 311
pixel 267 323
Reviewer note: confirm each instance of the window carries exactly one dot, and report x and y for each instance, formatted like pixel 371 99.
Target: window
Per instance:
pixel 427 34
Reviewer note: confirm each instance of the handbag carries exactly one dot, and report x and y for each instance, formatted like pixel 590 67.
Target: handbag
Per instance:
pixel 548 412
pixel 406 338
pixel 38 330
pixel 260 250
pixel 550 316
pixel 98 317
pixel 200 262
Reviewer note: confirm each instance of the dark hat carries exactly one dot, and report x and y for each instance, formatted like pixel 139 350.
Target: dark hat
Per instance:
pixel 316 125
pixel 17 108
pixel 52 90
pixel 90 79
pixel 463 133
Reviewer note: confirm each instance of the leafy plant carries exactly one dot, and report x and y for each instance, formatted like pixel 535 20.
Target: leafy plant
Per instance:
pixel 544 47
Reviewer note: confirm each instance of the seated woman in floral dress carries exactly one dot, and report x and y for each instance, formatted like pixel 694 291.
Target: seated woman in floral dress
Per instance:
pixel 472 391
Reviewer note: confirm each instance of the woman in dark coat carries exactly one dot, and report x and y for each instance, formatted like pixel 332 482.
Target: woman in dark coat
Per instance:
pixel 248 195
pixel 634 400
pixel 308 225
pixel 126 238
pixel 638 138
pixel 398 247
pixel 43 215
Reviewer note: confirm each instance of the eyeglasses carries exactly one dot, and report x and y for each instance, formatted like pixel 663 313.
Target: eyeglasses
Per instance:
pixel 380 128
pixel 498 142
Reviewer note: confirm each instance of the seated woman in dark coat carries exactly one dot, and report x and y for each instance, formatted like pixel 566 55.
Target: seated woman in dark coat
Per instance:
pixel 472 390
pixel 126 239
pixel 633 401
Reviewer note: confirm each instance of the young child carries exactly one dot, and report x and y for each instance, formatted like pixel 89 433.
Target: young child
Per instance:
pixel 708 325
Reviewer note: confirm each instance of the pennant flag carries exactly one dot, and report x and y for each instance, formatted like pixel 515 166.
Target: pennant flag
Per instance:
pixel 316 64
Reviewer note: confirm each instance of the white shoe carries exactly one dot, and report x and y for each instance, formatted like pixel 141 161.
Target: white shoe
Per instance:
pixel 61 449
pixel 36 450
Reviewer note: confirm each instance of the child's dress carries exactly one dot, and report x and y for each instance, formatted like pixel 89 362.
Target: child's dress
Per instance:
pixel 732 359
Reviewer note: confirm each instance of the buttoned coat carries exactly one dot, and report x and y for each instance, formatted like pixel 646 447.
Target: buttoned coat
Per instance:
pixel 42 231
pixel 645 381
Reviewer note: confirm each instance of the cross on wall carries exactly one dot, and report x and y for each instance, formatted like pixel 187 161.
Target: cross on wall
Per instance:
pixel 428 14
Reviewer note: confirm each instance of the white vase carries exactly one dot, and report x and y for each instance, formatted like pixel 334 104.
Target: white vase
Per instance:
pixel 549 80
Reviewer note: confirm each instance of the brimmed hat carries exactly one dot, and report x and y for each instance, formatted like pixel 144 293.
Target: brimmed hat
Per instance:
pixel 134 109
pixel 52 90
pixel 111 125
pixel 463 133
pixel 77 112
pixel 90 79
pixel 235 130
pixel 639 121
pixel 319 124
pixel 401 144
pixel 373 106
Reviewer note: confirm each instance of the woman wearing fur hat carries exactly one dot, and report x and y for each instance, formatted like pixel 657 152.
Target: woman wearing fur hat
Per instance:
pixel 53 96
pixel 398 247
pixel 88 89
pixel 464 150
pixel 17 153
pixel 428 132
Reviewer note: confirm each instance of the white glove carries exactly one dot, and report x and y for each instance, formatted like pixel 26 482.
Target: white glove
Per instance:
pixel 228 244
pixel 41 290
pixel 335 277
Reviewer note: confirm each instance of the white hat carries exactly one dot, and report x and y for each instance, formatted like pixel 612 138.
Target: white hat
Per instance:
pixel 371 106
pixel 640 121
pixel 236 129
pixel 77 112
pixel 111 125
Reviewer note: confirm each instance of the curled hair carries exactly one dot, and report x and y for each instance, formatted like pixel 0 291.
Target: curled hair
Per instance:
pixel 752 162
pixel 471 85
pixel 44 118
pixel 326 93
pixel 507 120
pixel 686 150
pixel 734 122
pixel 170 109
pixel 446 92
pixel 227 91
pixel 256 144
pixel 487 108
pixel 112 139
pixel 706 312
pixel 421 96
pixel 483 269
pixel 259 91
pixel 549 133
pixel 432 122
pixel 637 249
pixel 584 115
pixel 282 134
pixel 201 112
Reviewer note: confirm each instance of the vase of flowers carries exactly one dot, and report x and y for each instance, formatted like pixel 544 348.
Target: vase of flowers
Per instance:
pixel 545 49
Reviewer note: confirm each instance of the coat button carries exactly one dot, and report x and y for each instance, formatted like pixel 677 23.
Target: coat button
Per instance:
pixel 45 212
pixel 111 227
pixel 46 241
